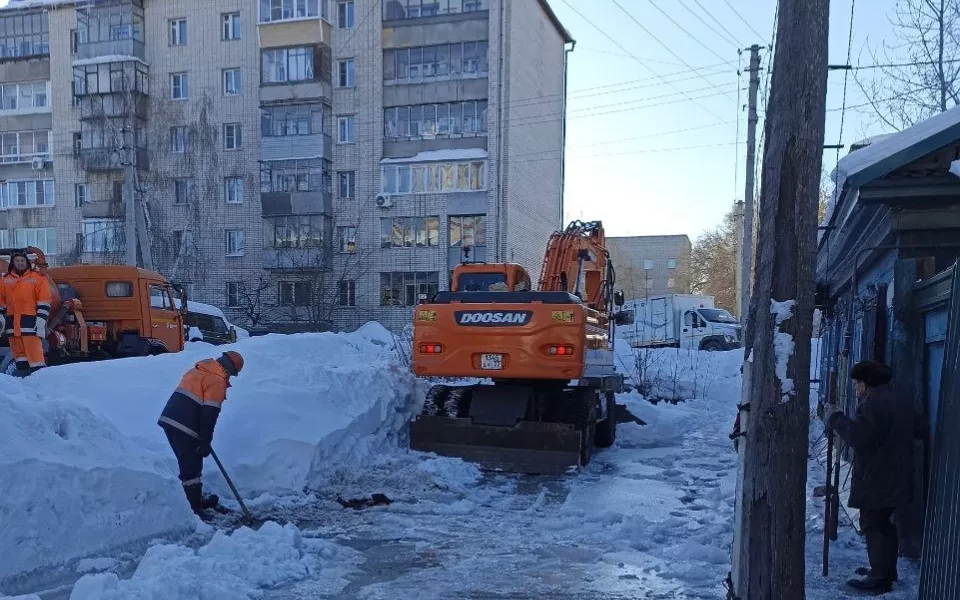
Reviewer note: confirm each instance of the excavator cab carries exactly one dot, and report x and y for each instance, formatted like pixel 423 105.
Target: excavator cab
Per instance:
pixel 481 277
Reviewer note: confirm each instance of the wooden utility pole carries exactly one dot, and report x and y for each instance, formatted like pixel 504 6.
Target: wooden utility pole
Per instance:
pixel 745 254
pixel 770 533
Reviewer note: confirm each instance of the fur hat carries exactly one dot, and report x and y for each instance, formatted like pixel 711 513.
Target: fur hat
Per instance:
pixel 872 373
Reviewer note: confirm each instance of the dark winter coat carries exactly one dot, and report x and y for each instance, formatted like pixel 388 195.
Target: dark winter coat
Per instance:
pixel 881 435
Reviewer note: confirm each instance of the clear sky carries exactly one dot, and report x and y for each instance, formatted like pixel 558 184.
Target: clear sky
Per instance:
pixel 628 162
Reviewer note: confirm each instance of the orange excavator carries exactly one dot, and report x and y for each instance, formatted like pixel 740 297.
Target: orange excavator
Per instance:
pixel 547 353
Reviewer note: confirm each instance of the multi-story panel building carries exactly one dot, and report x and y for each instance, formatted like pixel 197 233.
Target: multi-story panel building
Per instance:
pixel 301 163
pixel 651 265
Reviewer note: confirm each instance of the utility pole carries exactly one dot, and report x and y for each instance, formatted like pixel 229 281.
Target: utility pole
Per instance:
pixel 769 531
pixel 745 256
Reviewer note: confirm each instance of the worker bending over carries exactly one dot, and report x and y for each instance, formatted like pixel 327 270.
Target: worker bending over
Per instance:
pixel 24 309
pixel 190 417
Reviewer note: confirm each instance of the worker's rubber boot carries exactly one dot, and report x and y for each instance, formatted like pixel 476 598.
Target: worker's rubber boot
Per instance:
pixel 210 501
pixel 865 571
pixel 23 369
pixel 194 495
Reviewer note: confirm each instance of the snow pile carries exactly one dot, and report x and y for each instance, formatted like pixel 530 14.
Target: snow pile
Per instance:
pixel 229 566
pixel 955 168
pixel 86 468
pixel 783 345
pixel 673 374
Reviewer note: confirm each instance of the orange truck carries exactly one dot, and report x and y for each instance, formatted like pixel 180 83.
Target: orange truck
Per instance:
pixel 105 311
pixel 548 354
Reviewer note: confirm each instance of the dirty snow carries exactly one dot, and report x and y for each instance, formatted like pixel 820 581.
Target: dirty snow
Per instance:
pixel 783 345
pixel 955 168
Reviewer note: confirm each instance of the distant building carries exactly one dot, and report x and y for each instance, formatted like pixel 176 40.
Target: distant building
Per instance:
pixel 651 265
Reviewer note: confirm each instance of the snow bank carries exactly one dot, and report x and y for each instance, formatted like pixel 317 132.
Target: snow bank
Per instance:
pixel 84 437
pixel 673 374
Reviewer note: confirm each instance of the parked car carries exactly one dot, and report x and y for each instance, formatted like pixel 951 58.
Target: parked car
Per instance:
pixel 207 323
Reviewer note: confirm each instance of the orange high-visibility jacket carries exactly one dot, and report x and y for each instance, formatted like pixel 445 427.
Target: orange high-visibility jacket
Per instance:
pixel 194 406
pixel 24 298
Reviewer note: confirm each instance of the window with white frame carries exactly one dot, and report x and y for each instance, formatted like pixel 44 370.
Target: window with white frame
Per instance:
pixel 183 190
pixel 451 61
pixel 179 86
pixel 410 232
pixel 178 32
pixel 235 242
pixel 283 10
pixel 81 194
pixel 231 82
pixel 347 239
pixel 467 230
pixel 308 175
pixel 232 137
pixel 233 190
pixel 347 184
pixel 230 26
pixel 433 178
pixel 234 293
pixel 26 193
pixel 295 231
pixel 430 120
pixel 346 17
pixel 346 73
pixel 404 288
pixel 294 293
pixel 671 263
pixel 102 235
pixel 648 265
pixel 24 97
pixel 291 120
pixel 348 291
pixel 422 9
pixel 24 146
pixel 180 139
pixel 287 64
pixel 44 238
pixel 346 130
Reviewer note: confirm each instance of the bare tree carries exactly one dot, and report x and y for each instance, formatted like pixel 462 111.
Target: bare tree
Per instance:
pixel 921 76
pixel 252 298
pixel 713 263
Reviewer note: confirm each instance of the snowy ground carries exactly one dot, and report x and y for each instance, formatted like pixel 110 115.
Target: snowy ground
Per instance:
pixel 649 518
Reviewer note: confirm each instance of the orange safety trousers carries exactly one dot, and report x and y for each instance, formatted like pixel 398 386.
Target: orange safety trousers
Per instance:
pixel 27 349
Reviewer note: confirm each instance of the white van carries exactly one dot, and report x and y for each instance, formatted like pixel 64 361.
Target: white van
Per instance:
pixel 207 323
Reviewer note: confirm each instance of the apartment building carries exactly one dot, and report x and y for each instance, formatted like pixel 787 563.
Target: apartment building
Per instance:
pixel 303 164
pixel 651 265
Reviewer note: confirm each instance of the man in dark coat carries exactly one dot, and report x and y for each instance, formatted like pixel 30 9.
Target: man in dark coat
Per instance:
pixel 881 435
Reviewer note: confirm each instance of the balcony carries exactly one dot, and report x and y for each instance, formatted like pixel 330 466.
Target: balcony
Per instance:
pixel 296 259
pixel 291 147
pixel 275 204
pixel 91 51
pixel 104 160
pixel 401 10
pixel 93 108
pixel 103 210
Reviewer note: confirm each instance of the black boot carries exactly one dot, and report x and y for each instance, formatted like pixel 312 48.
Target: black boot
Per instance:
pixel 872 585
pixel 194 495
pixel 210 501
pixel 865 572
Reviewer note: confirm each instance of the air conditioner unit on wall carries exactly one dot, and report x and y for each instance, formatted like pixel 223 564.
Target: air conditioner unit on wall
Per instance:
pixel 384 201
pixel 38 163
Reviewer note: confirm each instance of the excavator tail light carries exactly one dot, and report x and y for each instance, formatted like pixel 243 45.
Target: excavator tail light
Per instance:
pixel 431 348
pixel 560 350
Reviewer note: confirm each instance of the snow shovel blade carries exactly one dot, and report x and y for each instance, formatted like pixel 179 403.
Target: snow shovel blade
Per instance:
pixel 528 447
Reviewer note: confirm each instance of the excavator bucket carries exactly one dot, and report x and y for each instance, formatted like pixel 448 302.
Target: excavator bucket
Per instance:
pixel 529 447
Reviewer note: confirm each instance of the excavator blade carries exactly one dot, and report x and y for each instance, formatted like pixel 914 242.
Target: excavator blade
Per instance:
pixel 528 447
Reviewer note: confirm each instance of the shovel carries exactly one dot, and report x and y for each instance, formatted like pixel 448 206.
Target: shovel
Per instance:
pixel 248 519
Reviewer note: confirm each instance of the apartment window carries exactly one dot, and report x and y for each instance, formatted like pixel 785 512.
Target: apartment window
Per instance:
pixel 346 76
pixel 232 137
pixel 44 238
pixel 24 97
pixel 294 293
pixel 468 230
pixel 24 146
pixel 403 289
pixel 102 235
pixel 183 190
pixel 431 120
pixel 671 263
pixel 235 242
pixel 295 231
pixel 433 178
pixel 281 10
pixel 347 187
pixel 287 64
pixel 460 60
pixel 348 291
pixel 233 190
pixel 309 175
pixel 417 9
pixel 346 15
pixel 178 32
pixel 179 139
pixel 347 239
pixel 26 193
pixel 24 34
pixel 179 86
pixel 301 119
pixel 231 82
pixel 648 265
pixel 81 194
pixel 346 132
pixel 410 232
pixel 234 293
pixel 230 23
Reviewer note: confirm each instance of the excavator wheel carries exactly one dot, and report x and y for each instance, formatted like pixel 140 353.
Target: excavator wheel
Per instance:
pixel 457 403
pixel 436 396
pixel 607 429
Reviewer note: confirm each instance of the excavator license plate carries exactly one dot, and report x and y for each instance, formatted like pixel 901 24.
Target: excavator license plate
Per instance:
pixel 491 362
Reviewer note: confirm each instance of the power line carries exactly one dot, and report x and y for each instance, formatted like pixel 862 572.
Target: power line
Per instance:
pixel 719 24
pixel 640 62
pixel 683 29
pixel 747 23
pixel 653 60
pixel 725 38
pixel 651 34
pixel 846 75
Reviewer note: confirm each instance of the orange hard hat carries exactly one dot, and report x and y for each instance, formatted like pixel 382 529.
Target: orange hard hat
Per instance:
pixel 233 359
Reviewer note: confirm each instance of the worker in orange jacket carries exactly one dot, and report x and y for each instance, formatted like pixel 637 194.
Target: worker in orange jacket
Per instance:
pixel 189 418
pixel 24 310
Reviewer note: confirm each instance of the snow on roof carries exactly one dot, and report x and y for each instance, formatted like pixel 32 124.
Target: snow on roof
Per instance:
pixel 110 58
pixel 438 155
pixel 39 3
